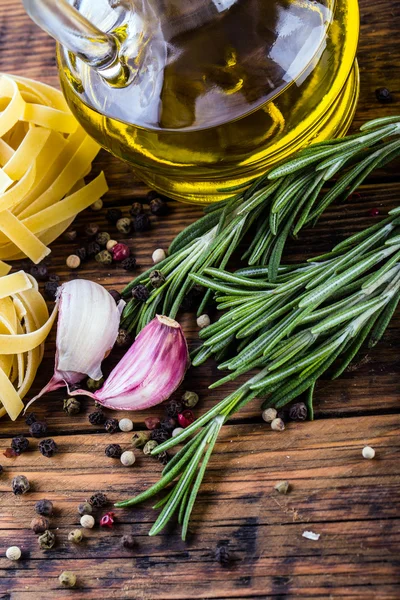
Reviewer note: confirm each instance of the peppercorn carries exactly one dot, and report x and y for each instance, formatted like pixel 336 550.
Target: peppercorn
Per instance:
pixel 39 272
pixel 124 225
pixel 168 424
pixel 116 295
pixel 125 425
pixel 136 209
pixel 158 207
pixel 156 279
pixel 97 205
pixel 39 524
pixel 141 223
pixel 92 249
pixel 98 500
pixel 173 408
pixel 94 384
pixel 54 277
pixel 50 290
pixel 113 451
pixel 190 399
pixel 102 238
pixel 72 406
pixel 111 425
pixel 113 215
pixel 84 508
pixel 185 418
pixel 203 321
pixel 87 521
pixel 13 553
pixel 48 447
pixel 44 507
pixel 92 229
pixel 149 446
pixel 140 438
pixel 110 245
pixel 160 435
pixel 67 578
pixel 47 540
pixel 158 255
pixel 277 424
pixel 120 252
pixel 129 264
pixel 70 236
pixel 38 429
pixel 20 485
pixel 75 536
pixel 73 261
pixel 152 422
pixel 128 542
pixel 163 457
pixel 128 458
pixel 368 452
pixel 123 338
pixel 107 520
pixel 30 418
pixel 222 555
pixel 151 195
pixel 104 257
pixel 81 253
pixel 20 444
pixel 282 487
pixel 269 414
pixel 97 418
pixel 140 292
pixel 383 95
pixel 177 431
pixel 298 412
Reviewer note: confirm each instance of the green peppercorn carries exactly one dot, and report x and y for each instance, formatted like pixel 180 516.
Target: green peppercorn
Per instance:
pixel 67 579
pixel 75 536
pixel 156 279
pixel 149 446
pixel 72 406
pixel 124 225
pixel 104 257
pixel 102 238
pixel 47 540
pixel 85 508
pixel 93 384
pixel 190 399
pixel 140 439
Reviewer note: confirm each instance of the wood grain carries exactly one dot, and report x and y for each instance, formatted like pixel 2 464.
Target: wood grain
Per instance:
pixel 351 502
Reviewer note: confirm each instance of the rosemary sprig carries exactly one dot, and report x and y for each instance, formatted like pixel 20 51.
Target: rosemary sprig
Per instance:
pixel 291 332
pixel 275 206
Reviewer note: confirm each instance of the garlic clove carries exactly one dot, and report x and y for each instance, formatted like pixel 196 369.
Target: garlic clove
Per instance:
pixel 150 371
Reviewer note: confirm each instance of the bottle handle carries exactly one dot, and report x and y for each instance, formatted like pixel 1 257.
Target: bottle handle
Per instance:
pixel 70 28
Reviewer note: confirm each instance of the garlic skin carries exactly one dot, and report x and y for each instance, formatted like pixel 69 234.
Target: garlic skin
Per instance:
pixel 150 371
pixel 87 327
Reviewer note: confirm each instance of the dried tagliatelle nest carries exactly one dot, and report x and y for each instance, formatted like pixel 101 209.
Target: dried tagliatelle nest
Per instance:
pixel 24 325
pixel 44 155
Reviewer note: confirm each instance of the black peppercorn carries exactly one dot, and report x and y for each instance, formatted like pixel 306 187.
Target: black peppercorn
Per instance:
pixel 20 485
pixel 113 451
pixel 222 555
pixel 113 215
pixel 173 408
pixel 141 223
pixel 116 295
pixel 50 290
pixel 98 500
pixel 156 279
pixel 30 418
pixel 151 195
pixel 158 207
pixel 39 272
pixel 298 412
pixel 54 277
pixel 111 425
pixel 123 338
pixel 72 406
pixel 92 249
pixel 97 417
pixel 81 253
pixel 48 447
pixel 140 292
pixel 20 444
pixel 38 429
pixel 70 236
pixel 163 457
pixel 383 95
pixel 91 229
pixel 159 435
pixel 129 264
pixel 128 542
pixel 44 507
pixel 136 209
pixel 168 424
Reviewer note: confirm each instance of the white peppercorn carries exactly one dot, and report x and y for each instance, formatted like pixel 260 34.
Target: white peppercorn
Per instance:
pixel 368 452
pixel 277 425
pixel 125 425
pixel 203 321
pixel 87 521
pixel 127 458
pixel 110 244
pixel 73 261
pixel 13 553
pixel 269 414
pixel 177 431
pixel 98 205
pixel 158 255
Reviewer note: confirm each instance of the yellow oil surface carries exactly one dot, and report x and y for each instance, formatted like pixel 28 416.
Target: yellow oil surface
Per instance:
pixel 225 112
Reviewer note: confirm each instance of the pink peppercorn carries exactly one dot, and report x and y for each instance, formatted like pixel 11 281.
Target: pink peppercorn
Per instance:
pixel 152 422
pixel 185 418
pixel 107 520
pixel 120 252
pixel 374 212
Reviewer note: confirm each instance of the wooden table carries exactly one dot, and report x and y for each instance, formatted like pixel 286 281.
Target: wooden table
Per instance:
pixel 351 502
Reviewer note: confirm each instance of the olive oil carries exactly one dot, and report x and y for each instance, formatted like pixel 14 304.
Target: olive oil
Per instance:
pixel 213 104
